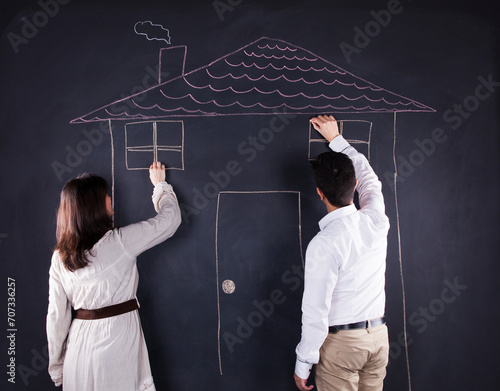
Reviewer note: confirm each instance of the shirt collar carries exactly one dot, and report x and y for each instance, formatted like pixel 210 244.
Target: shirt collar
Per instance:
pixel 337 214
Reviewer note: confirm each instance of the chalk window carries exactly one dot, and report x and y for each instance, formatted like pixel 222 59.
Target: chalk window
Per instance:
pixel 356 132
pixel 150 141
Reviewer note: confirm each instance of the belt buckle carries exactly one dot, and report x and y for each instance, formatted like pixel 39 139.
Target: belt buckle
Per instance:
pixel 334 330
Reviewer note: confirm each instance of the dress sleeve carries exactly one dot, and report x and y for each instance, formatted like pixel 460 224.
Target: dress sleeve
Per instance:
pixel 139 237
pixel 58 322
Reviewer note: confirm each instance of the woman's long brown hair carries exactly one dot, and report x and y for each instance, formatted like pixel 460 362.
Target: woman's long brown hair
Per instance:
pixel 82 219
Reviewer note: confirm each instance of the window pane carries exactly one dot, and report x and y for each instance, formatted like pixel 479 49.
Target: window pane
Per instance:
pixel 139 159
pixel 139 134
pixel 170 133
pixel 172 158
pixel 356 130
pixel 148 141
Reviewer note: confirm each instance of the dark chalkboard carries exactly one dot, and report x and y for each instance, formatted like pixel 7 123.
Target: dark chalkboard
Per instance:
pixel 221 92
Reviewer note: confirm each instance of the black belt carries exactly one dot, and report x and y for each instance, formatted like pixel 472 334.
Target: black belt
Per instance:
pixel 359 325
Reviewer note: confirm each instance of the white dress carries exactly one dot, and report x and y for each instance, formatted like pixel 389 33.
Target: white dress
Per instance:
pixel 105 354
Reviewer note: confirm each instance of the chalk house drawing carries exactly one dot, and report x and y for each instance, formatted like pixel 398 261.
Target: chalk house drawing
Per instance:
pixel 258 79
pixel 152 31
pixel 166 144
pixel 253 245
pixel 265 77
pixel 357 132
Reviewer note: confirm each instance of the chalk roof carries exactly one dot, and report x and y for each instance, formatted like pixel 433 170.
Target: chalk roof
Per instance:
pixel 258 79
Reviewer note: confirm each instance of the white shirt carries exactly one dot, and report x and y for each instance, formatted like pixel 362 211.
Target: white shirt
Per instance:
pixel 107 354
pixel 345 264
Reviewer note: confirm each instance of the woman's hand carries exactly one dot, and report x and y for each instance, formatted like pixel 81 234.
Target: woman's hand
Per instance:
pixel 157 173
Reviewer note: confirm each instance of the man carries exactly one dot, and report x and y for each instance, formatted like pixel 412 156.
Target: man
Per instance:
pixel 343 329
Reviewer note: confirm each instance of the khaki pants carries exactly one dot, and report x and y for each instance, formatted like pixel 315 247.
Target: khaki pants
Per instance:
pixel 353 360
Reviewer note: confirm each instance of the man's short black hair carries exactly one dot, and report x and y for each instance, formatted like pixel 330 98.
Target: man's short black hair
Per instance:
pixel 335 177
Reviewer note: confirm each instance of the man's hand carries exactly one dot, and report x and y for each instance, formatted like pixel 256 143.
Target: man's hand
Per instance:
pixel 157 173
pixel 301 383
pixel 326 125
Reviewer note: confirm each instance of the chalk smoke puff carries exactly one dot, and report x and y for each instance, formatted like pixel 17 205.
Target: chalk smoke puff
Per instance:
pixel 152 31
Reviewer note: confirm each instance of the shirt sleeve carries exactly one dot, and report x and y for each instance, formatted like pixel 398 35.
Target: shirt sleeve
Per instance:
pixel 369 187
pixel 320 279
pixel 139 237
pixel 58 322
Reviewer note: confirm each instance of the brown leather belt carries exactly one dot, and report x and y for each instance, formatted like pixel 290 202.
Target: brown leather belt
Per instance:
pixel 106 312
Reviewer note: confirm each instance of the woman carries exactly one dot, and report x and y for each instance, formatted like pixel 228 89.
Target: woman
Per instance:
pixel 94 271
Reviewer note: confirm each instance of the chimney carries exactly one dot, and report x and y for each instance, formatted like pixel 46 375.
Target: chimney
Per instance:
pixel 172 61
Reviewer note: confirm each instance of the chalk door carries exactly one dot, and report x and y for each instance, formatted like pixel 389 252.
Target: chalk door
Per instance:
pixel 258 248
